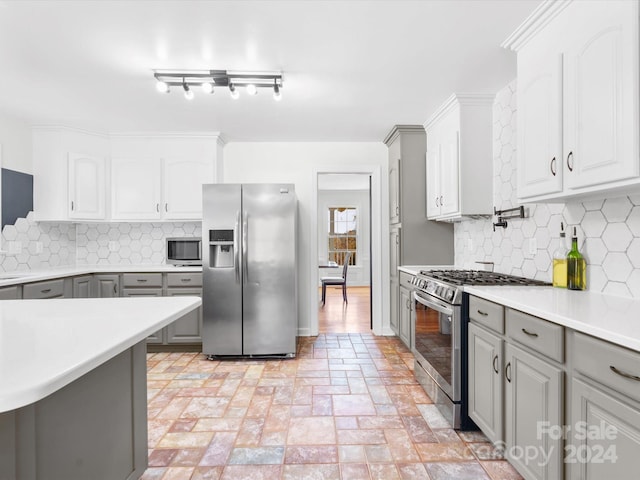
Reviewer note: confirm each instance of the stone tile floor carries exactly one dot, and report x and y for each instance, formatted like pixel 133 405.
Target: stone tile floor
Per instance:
pixel 348 407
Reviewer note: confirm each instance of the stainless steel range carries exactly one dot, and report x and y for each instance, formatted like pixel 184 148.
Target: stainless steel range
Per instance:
pixel 441 318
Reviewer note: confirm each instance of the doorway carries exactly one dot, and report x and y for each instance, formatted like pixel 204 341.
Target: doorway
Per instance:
pixel 344 236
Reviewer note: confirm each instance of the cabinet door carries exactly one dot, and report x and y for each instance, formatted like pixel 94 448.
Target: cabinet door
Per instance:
pixel 393 313
pixel 86 187
pixel 157 337
pixel 486 384
pixel 395 259
pixel 135 189
pixel 540 160
pixel 613 455
pixel 82 286
pixel 449 171
pixel 433 174
pixel 394 190
pixel 10 293
pixel 187 329
pixel 534 398
pixel 601 93
pixel 182 183
pixel 106 286
pixel 404 316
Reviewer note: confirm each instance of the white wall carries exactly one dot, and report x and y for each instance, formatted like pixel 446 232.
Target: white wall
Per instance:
pixel 357 275
pixel 297 163
pixel 15 138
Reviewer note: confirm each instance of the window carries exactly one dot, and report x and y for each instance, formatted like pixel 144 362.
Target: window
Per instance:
pixel 343 233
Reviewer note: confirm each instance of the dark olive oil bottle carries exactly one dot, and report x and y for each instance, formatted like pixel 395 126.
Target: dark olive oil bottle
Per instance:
pixel 576 266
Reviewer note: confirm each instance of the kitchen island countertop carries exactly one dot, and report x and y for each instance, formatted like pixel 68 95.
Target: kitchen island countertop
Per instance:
pixel 615 319
pixel 47 344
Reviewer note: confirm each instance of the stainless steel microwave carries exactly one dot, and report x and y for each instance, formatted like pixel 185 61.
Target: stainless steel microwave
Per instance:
pixel 184 251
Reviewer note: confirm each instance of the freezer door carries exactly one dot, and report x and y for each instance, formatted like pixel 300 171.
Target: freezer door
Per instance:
pixel 221 270
pixel 269 269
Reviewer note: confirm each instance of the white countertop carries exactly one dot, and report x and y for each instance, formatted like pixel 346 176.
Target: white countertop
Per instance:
pixel 26 276
pixel 47 344
pixel 615 319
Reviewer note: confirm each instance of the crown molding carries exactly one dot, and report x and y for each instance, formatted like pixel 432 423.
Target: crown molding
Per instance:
pixel 464 99
pixel 535 22
pixel 398 129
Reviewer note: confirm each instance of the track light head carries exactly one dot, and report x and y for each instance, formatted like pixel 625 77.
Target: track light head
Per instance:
pixel 162 87
pixel 252 89
pixel 207 87
pixel 276 92
pixel 233 91
pixel 188 93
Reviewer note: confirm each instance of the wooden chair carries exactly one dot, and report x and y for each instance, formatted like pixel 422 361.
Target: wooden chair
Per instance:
pixel 337 280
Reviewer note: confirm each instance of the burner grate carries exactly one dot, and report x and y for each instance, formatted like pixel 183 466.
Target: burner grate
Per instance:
pixel 479 277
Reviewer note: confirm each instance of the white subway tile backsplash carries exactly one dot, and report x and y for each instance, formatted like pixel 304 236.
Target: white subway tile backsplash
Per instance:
pixel 608 230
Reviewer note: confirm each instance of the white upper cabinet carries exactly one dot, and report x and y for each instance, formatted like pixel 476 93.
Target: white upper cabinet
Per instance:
pixel 86 187
pixel 136 188
pixel 459 158
pixel 578 91
pixel 182 182
pixel 84 176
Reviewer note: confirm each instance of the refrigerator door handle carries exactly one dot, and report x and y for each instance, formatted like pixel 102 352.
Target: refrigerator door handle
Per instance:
pixel 245 235
pixel 236 250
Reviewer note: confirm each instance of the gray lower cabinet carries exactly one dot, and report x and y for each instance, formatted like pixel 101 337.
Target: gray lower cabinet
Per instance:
pixel 106 285
pixel 533 399
pixel 486 383
pixel 404 317
pixel 42 290
pixel 605 401
pixel 157 337
pixel 187 329
pixel 11 293
pixel 82 286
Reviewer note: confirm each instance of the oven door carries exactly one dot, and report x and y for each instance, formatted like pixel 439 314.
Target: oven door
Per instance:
pixel 437 341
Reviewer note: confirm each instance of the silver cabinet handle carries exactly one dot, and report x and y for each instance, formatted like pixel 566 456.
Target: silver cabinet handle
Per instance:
pixel 185 280
pixel 552 165
pixel 397 210
pixel 437 204
pixel 623 374
pixel 531 334
pixel 46 290
pixel 507 372
pixel 570 161
pixel 484 314
pixel 441 201
pixel 72 205
pixel 141 280
pixel 158 207
pixel 495 364
pixel 115 288
pixel 166 207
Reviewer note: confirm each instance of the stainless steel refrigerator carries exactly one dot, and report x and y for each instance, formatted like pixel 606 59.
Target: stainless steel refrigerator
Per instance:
pixel 249 270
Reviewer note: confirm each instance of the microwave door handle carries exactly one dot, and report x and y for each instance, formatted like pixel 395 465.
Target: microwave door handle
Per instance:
pixel 236 250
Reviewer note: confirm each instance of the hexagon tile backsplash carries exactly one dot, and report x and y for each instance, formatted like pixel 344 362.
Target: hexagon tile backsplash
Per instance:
pixel 608 230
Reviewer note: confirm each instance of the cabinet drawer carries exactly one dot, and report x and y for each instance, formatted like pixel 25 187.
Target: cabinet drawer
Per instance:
pixel 49 289
pixel 142 279
pixel 405 280
pixel 609 364
pixel 184 280
pixel 10 293
pixel 486 313
pixel 543 336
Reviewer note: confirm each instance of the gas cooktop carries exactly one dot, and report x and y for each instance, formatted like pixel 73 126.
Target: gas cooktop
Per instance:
pixel 447 285
pixel 479 277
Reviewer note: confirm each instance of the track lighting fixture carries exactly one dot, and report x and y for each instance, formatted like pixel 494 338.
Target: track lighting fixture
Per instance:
pixel 209 79
pixel 232 90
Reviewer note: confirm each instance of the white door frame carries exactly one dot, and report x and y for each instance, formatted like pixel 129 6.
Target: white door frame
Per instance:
pixel 377 249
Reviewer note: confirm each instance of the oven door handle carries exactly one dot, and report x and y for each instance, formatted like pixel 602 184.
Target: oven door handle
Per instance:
pixel 433 303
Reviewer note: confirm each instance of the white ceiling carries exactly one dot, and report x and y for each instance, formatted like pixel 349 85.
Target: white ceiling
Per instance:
pixel 352 69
